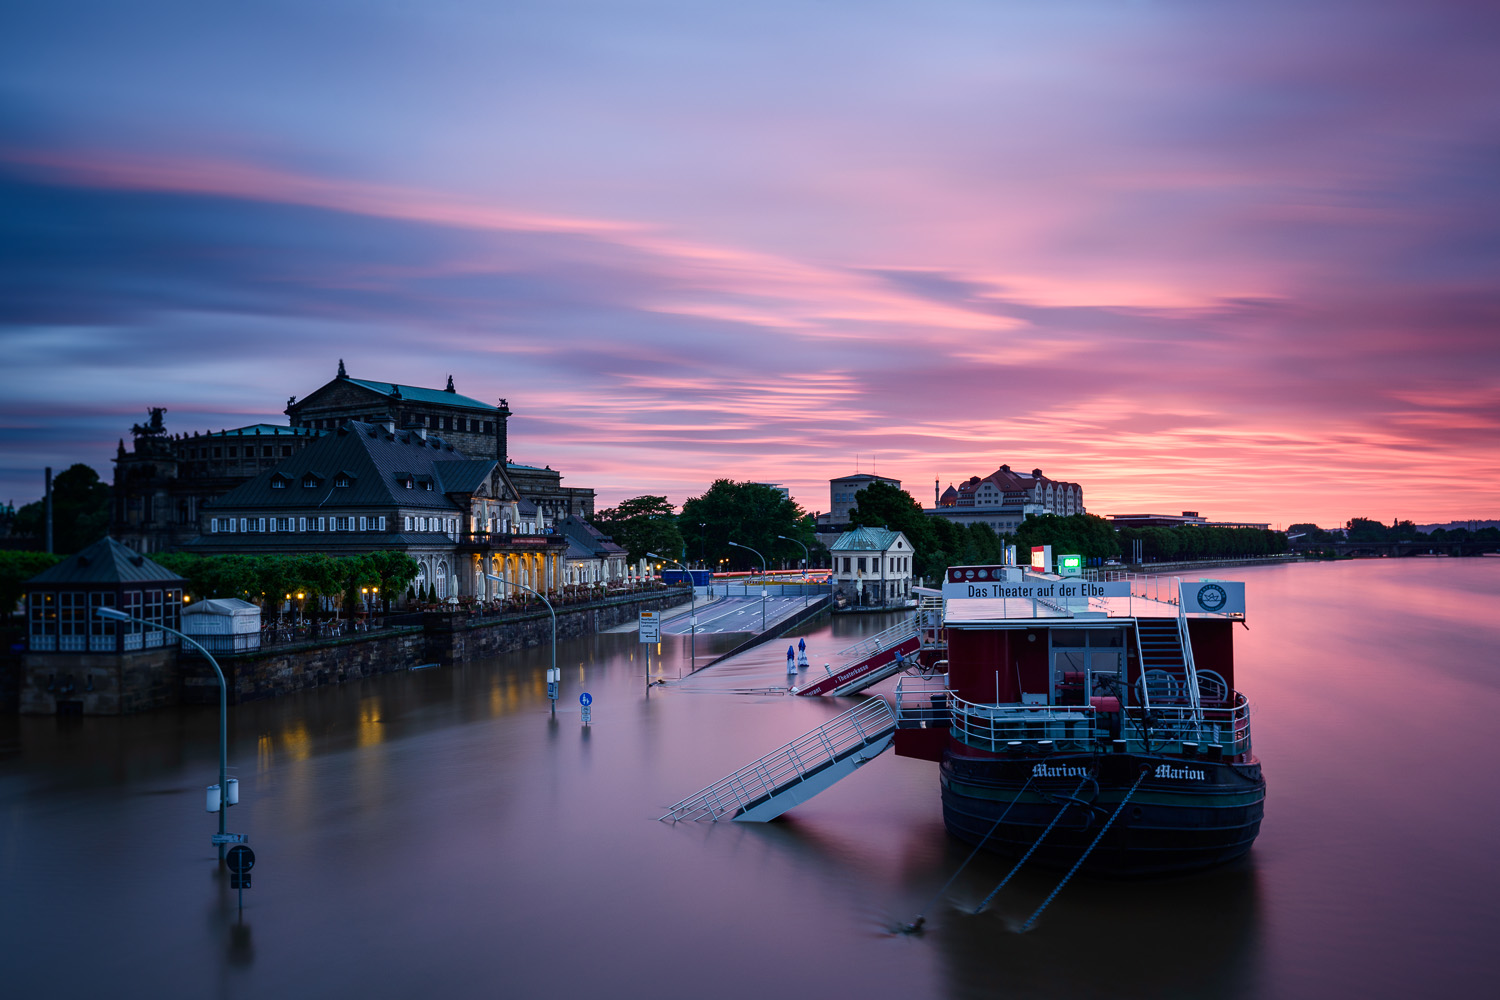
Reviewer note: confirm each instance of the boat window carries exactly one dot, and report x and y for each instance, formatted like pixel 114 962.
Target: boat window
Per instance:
pixel 1107 637
pixel 1069 637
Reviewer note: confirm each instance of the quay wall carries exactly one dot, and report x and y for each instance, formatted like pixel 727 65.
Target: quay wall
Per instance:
pixel 442 638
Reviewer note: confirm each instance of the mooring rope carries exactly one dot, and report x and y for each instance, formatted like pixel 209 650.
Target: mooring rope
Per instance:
pixel 1079 863
pixel 921 917
pixel 1038 843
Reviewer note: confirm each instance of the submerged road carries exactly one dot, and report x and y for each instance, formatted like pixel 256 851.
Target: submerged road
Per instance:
pixel 734 614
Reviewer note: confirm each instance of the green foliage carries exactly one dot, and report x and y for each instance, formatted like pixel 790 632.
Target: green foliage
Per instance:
pixel 1190 541
pixel 751 514
pixel 1362 529
pixel 640 525
pixel 80 511
pixel 15 569
pixel 1312 533
pixel 1077 534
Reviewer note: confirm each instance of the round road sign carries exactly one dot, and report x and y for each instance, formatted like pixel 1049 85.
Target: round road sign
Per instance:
pixel 585 699
pixel 240 859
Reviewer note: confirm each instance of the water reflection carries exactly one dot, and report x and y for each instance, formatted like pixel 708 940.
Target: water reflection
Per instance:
pixel 417 832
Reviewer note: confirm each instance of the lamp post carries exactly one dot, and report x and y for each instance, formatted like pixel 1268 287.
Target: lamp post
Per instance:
pixel 702 542
pixel 113 615
pixel 762 582
pixel 692 608
pixel 806 559
pixel 501 579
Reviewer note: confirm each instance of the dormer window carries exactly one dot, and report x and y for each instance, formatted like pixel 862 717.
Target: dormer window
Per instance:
pixel 427 485
pixel 278 484
pixel 341 481
pixel 310 482
pixel 408 483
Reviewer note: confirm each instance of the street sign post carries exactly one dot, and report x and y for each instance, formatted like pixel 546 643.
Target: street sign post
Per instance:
pixel 587 711
pixel 240 860
pixel 650 626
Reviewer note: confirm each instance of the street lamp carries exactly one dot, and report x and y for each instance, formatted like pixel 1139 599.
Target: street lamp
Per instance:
pixel 702 542
pixel 113 615
pixel 501 579
pixel 692 608
pixel 762 582
pixel 806 559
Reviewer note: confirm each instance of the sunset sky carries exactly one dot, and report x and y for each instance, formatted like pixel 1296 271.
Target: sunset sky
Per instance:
pixel 1236 258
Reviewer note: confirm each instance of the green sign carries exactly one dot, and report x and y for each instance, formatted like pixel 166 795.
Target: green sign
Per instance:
pixel 1070 565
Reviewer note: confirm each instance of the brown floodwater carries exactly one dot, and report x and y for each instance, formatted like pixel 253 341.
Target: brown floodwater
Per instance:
pixel 437 833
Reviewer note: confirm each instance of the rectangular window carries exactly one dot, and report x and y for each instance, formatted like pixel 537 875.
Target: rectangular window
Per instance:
pixel 301 524
pixel 218 453
pixel 861 564
pixel 72 621
pixel 260 524
pixel 213 525
pixel 233 452
pixel 278 484
pixel 382 524
pixel 406 525
pixel 43 621
pixel 320 524
pixel 362 525
pixel 286 451
pixel 489 428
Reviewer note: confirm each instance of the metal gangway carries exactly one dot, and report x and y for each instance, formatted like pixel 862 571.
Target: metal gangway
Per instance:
pixel 870 661
pixel 792 774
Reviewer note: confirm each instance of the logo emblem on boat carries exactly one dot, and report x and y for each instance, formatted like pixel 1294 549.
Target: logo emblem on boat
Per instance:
pixel 1211 597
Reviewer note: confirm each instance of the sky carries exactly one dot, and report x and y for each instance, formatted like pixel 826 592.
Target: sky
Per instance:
pixel 1242 259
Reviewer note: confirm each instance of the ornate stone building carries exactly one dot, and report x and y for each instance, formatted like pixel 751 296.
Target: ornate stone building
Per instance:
pixel 1005 498
pixel 163 482
pixel 362 487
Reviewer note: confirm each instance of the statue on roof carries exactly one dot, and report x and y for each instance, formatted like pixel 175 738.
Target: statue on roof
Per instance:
pixel 342 373
pixel 153 428
pixel 450 385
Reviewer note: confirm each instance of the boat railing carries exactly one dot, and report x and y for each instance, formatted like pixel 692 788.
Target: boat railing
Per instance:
pixel 922 701
pixel 1165 728
pixel 992 727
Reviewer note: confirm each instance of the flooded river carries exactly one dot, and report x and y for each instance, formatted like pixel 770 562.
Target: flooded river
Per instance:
pixel 438 833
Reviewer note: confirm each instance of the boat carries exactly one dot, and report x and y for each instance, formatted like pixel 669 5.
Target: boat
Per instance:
pixel 1085 722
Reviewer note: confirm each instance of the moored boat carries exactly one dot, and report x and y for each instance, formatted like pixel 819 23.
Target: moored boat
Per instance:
pixel 1090 722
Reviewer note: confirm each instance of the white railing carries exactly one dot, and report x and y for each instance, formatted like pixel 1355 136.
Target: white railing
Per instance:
pixel 866 648
pixel 921 700
pixel 789 764
pixel 1165 730
pixel 991 727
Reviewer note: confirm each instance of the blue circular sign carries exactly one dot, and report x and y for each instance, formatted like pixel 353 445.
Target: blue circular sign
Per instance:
pixel 585 699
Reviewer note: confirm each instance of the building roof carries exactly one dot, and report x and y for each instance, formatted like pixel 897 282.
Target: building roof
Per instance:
pixel 221 606
pixel 865 477
pixel 579 532
pixel 417 394
pixel 106 561
pixel 266 430
pixel 377 465
pixel 866 540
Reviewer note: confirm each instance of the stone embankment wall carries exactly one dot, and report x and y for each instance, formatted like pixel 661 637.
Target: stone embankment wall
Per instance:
pixel 442 638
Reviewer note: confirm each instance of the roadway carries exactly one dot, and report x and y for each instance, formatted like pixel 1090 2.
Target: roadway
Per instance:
pixel 735 614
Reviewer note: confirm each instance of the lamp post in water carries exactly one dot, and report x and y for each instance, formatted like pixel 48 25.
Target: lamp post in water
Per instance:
pixel 113 615
pixel 763 573
pixel 692 606
pixel 501 579
pixel 806 565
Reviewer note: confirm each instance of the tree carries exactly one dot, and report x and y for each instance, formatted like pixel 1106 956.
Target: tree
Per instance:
pixel 640 525
pixel 751 514
pixel 15 569
pixel 393 570
pixel 881 505
pixel 80 511
pixel 1081 534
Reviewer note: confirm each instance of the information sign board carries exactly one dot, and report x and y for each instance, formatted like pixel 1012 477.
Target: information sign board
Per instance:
pixel 650 626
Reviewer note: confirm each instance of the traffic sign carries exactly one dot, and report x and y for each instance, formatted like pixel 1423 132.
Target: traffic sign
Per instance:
pixel 585 699
pixel 240 859
pixel 650 626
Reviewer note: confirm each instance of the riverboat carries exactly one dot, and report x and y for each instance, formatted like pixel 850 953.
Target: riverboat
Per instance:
pixel 1089 722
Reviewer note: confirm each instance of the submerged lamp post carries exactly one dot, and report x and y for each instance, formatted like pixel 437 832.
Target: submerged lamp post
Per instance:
pixel 762 581
pixel 224 799
pixel 692 607
pixel 806 565
pixel 551 674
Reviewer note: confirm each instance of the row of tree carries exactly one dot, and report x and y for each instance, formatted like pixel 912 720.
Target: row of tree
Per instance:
pixel 268 579
pixel 751 514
